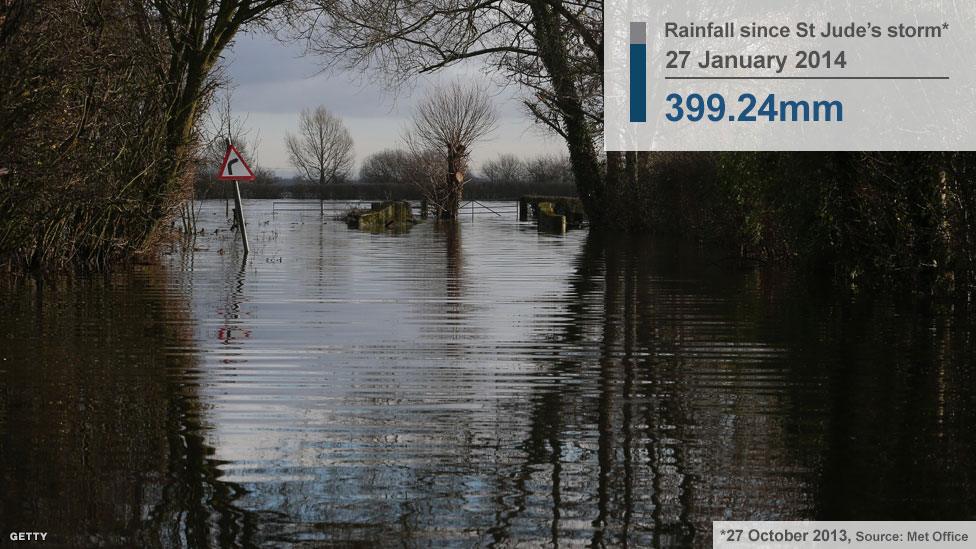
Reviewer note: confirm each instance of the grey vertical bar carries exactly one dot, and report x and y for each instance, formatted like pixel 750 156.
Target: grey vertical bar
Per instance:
pixel 638 33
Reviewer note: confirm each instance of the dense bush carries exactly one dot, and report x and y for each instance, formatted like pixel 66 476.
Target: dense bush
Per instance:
pixel 866 218
pixel 81 124
pixel 99 108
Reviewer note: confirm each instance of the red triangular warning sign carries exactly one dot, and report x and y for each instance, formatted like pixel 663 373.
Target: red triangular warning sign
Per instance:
pixel 234 168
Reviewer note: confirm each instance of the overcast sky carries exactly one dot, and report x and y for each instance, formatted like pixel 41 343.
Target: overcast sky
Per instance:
pixel 272 82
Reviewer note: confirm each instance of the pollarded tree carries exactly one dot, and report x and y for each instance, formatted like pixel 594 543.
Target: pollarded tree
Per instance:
pixel 449 121
pixel 322 151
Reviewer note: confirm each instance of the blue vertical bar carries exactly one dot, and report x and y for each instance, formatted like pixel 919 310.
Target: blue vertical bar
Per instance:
pixel 638 82
pixel 638 72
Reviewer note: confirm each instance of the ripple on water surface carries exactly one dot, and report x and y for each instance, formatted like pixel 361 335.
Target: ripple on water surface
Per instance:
pixel 471 384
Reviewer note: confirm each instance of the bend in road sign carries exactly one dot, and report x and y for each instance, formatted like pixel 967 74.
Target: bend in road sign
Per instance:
pixel 234 168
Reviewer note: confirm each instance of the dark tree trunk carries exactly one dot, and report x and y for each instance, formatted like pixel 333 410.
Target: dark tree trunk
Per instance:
pixel 454 183
pixel 579 136
pixel 195 50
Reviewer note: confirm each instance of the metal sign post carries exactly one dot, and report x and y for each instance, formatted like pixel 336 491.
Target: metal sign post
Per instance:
pixel 231 160
pixel 239 212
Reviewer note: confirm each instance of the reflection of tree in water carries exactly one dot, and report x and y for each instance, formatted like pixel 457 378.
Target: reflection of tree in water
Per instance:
pixel 100 420
pixel 898 440
pixel 453 271
pixel 455 260
pixel 598 485
pixel 710 399
pixel 451 328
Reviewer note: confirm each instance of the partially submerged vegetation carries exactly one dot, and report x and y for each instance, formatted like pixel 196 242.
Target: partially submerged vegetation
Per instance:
pixel 445 126
pixel 99 107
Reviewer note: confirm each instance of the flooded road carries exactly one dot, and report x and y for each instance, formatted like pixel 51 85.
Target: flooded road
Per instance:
pixel 469 385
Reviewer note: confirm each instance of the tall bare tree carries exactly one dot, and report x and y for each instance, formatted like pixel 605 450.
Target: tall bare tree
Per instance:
pixel 322 151
pixel 549 169
pixel 449 121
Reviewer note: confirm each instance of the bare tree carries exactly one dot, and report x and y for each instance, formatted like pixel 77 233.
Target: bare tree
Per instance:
pixel 507 168
pixel 219 124
pixel 450 120
pixel 322 151
pixel 549 169
pixel 386 166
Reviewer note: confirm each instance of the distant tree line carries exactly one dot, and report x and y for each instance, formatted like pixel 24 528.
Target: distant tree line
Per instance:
pixel 391 174
pixel 510 169
pixel 503 177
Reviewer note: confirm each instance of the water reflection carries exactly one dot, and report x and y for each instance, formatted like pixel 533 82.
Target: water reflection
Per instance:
pixel 470 384
pixel 101 439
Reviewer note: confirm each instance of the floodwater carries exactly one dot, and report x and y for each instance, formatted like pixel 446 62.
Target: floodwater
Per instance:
pixel 470 385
